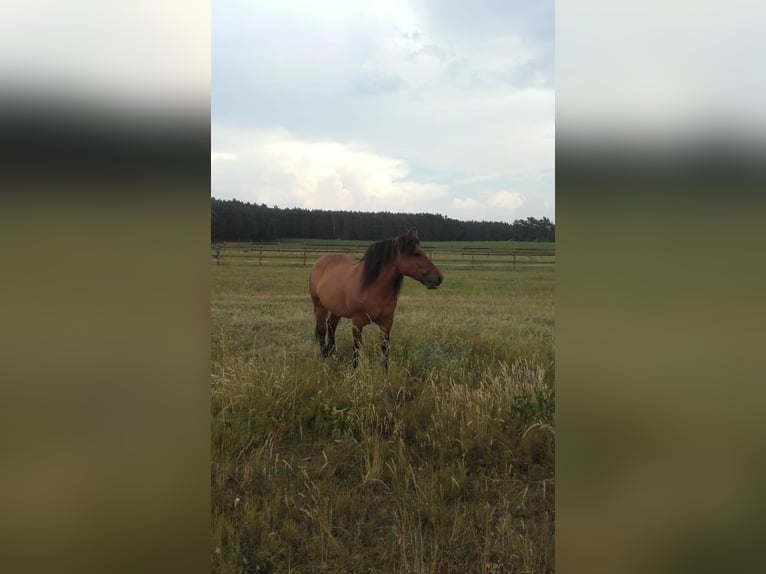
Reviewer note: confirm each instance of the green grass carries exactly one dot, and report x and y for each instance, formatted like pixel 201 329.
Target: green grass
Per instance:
pixel 444 465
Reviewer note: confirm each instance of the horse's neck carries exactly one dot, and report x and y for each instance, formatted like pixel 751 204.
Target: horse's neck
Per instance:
pixel 387 279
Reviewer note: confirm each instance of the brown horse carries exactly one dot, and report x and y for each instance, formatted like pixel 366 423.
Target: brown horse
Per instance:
pixel 366 290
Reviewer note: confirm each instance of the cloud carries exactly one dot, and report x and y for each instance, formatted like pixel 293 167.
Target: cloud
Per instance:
pixel 372 82
pixel 465 203
pixel 278 168
pixel 475 26
pixel 223 156
pixel 457 96
pixel 489 206
pixel 506 200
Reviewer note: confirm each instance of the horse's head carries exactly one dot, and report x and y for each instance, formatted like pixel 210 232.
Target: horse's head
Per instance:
pixel 413 262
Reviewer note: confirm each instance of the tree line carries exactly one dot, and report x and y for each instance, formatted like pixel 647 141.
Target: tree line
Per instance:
pixel 233 220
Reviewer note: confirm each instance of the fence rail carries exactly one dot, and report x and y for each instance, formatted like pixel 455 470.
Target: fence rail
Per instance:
pixel 272 254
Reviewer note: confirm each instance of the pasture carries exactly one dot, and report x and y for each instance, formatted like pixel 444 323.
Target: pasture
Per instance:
pixel 445 464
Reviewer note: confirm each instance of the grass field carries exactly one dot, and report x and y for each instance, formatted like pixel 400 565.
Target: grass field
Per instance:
pixel 444 465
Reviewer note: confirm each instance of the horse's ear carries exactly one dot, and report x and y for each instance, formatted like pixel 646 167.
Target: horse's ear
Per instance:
pixel 412 233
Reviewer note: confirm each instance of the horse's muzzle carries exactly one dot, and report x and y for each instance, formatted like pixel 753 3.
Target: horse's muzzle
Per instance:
pixel 434 282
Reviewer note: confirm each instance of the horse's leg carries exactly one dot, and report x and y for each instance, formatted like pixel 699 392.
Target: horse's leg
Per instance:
pixel 358 324
pixel 321 327
pixel 385 332
pixel 332 323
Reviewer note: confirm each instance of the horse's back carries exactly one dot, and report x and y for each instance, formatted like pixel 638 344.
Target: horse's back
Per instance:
pixel 333 260
pixel 331 276
pixel 331 264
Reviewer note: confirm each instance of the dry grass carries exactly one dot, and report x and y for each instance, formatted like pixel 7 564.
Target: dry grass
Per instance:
pixel 444 465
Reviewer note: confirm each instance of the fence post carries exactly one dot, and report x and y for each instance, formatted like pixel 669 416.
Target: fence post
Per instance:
pixel 472 260
pixel 260 256
pixel 304 257
pixel 514 262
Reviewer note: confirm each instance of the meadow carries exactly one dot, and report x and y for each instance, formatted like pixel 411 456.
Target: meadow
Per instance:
pixel 444 465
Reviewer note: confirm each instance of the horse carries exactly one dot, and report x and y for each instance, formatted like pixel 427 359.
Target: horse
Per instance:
pixel 366 290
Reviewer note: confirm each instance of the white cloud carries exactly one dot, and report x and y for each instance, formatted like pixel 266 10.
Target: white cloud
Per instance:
pixel 488 206
pixel 277 168
pixel 465 203
pixel 506 200
pixel 223 156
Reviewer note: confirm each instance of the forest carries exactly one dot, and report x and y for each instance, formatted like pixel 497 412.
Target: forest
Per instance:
pixel 233 220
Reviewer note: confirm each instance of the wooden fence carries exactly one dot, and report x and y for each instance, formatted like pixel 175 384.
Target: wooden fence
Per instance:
pixel 293 254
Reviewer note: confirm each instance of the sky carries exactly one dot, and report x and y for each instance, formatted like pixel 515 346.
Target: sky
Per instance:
pixel 439 106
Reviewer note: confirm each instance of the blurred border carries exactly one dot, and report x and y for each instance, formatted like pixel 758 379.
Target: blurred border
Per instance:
pixel 660 171
pixel 104 164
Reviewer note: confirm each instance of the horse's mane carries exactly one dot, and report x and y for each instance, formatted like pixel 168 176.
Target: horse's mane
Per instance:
pixel 380 253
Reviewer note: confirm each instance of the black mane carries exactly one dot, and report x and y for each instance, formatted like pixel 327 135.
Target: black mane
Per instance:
pixel 380 253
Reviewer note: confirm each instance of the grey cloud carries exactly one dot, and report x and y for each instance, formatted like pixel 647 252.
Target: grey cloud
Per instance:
pixel 374 83
pixel 432 50
pixel 530 20
pixel 537 72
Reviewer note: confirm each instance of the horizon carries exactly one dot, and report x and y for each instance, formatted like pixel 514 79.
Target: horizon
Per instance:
pixel 385 211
